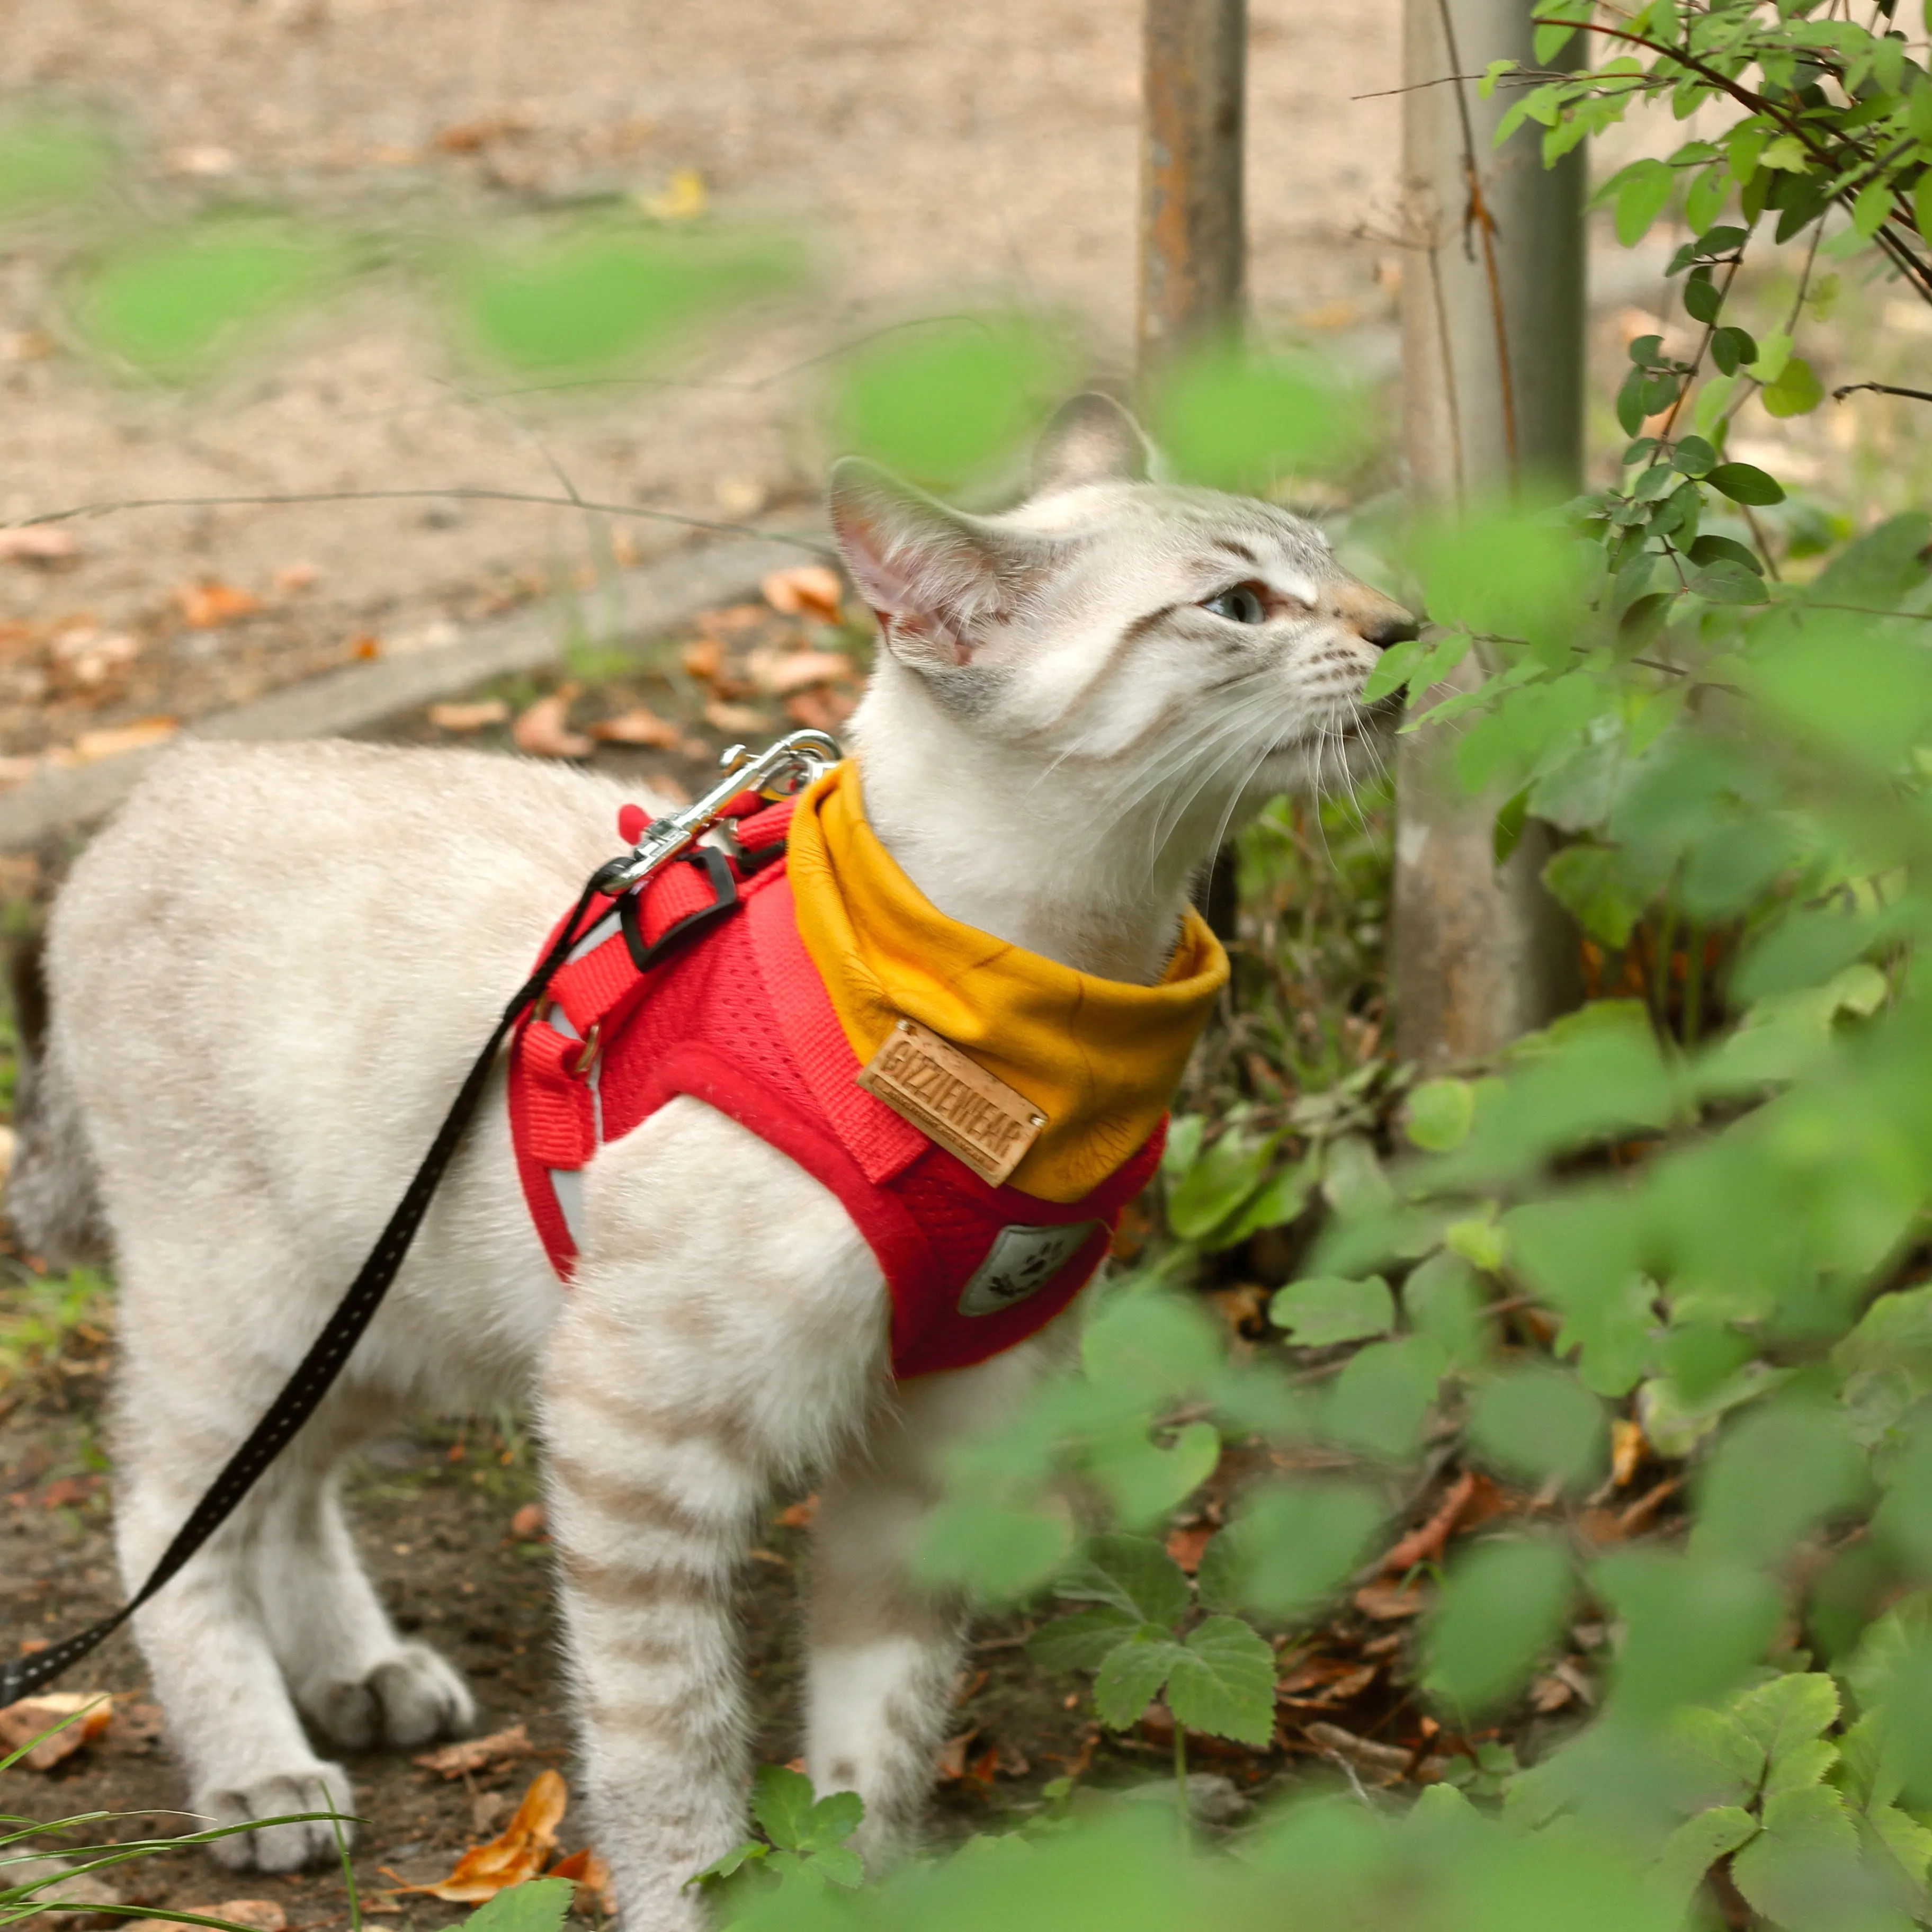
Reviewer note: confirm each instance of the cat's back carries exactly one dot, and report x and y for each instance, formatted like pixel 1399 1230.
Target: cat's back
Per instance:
pixel 254 904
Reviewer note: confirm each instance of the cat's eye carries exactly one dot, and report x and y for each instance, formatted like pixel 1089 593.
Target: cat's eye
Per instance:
pixel 1241 605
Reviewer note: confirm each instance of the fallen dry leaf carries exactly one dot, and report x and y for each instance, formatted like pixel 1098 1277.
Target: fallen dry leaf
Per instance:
pixel 1244 1309
pixel 517 1853
pixel 702 658
pixel 92 1711
pixel 294 576
pixel 739 721
pixel 111 740
pixel 822 710
pixel 638 726
pixel 474 1754
pixel 263 1914
pixel 1187 1547
pixel 470 717
pixel 806 590
pixel 1385 1603
pixel 799 670
pixel 365 644
pixel 593 1881
pixel 1627 1450
pixel 1424 1545
pixel 69 1490
pixel 208 604
pixel 683 198
pixel 952 1765
pixel 727 620
pixel 1321 1683
pixel 798 1515
pixel 528 1522
pixel 39 544
pixel 544 730
pixel 89 655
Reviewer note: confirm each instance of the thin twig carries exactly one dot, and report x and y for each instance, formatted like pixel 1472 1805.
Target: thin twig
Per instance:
pixel 1883 389
pixel 460 494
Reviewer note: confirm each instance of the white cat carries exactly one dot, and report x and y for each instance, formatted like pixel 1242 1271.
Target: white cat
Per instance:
pixel 268 976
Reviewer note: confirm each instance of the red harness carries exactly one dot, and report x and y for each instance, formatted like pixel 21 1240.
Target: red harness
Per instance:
pixel 697 982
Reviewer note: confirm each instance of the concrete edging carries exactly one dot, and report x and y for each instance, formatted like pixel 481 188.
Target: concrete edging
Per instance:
pixel 654 597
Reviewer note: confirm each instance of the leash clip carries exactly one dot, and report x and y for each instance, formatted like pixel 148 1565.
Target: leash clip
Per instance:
pixel 781 770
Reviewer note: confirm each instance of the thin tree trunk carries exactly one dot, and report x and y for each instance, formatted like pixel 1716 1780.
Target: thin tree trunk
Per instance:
pixel 1493 356
pixel 1193 252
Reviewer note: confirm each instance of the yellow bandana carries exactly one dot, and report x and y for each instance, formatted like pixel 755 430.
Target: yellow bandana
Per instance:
pixel 1098 1058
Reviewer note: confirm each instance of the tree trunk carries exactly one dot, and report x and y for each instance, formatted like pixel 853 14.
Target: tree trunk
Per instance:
pixel 1492 357
pixel 1193 247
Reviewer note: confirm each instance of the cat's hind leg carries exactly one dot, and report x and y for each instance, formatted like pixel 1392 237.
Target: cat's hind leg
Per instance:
pixel 884 1650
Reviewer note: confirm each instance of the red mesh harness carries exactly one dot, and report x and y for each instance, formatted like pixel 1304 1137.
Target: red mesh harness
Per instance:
pixel 697 982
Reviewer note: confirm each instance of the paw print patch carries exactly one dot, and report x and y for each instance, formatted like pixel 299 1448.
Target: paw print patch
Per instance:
pixel 1022 1260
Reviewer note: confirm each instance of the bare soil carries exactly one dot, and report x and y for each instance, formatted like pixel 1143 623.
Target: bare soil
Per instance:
pixel 932 158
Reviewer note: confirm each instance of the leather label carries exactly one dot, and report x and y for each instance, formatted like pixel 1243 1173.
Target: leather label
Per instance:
pixel 952 1100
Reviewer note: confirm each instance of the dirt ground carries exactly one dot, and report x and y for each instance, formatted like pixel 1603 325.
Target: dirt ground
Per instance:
pixel 932 158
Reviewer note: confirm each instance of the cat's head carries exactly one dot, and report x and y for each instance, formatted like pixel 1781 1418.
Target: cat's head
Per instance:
pixel 1174 656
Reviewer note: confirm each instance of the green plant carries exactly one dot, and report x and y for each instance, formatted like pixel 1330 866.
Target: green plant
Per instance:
pixel 1141 1634
pixel 804 1847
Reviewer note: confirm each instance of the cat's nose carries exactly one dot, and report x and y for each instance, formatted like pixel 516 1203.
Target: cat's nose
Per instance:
pixel 1375 619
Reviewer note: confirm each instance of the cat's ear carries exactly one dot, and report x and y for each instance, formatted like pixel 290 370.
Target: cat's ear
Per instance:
pixel 938 578
pixel 1090 439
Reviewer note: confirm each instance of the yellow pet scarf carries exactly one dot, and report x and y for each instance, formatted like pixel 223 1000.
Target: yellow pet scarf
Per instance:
pixel 1100 1058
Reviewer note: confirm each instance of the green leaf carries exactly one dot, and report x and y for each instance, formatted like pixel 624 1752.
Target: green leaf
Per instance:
pixel 736 1858
pixel 1293 1547
pixel 1693 456
pixel 537 1905
pixel 1727 581
pixel 943 403
pixel 176 306
pixel 1391 670
pixel 1503 1605
pixel 1133 1574
pixel 1236 421
pixel 974 1543
pixel 1145 1480
pixel 1219 1183
pixel 834 1818
pixel 1380 1400
pixel 1731 348
pixel 1082 1641
pixel 840 1864
pixel 1223 1682
pixel 1701 301
pixel 1785 1720
pixel 1799 1868
pixel 601 295
pixel 46 162
pixel 1439 1114
pixel 1132 1675
pixel 781 1802
pixel 1744 483
pixel 1777 1474
pixel 1796 392
pixel 1280 1201
pixel 1325 1310
pixel 1693 1627
pixel 1353 1180
pixel 1538 1423
pixel 1640 199
pixel 1921 207
pixel 1443 1302
pixel 1697 1844
pixel 1711 549
pixel 1590 882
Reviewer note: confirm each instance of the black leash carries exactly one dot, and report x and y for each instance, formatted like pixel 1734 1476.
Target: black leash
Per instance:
pixel 782 769
pixel 305 1389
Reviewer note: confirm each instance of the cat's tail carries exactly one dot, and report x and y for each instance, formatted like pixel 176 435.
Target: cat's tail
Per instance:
pixel 53 1196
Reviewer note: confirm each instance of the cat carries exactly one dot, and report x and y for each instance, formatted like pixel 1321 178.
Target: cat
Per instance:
pixel 267 976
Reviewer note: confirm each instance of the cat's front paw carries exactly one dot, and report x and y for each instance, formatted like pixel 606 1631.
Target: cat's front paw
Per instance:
pixel 280 1848
pixel 410 1698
